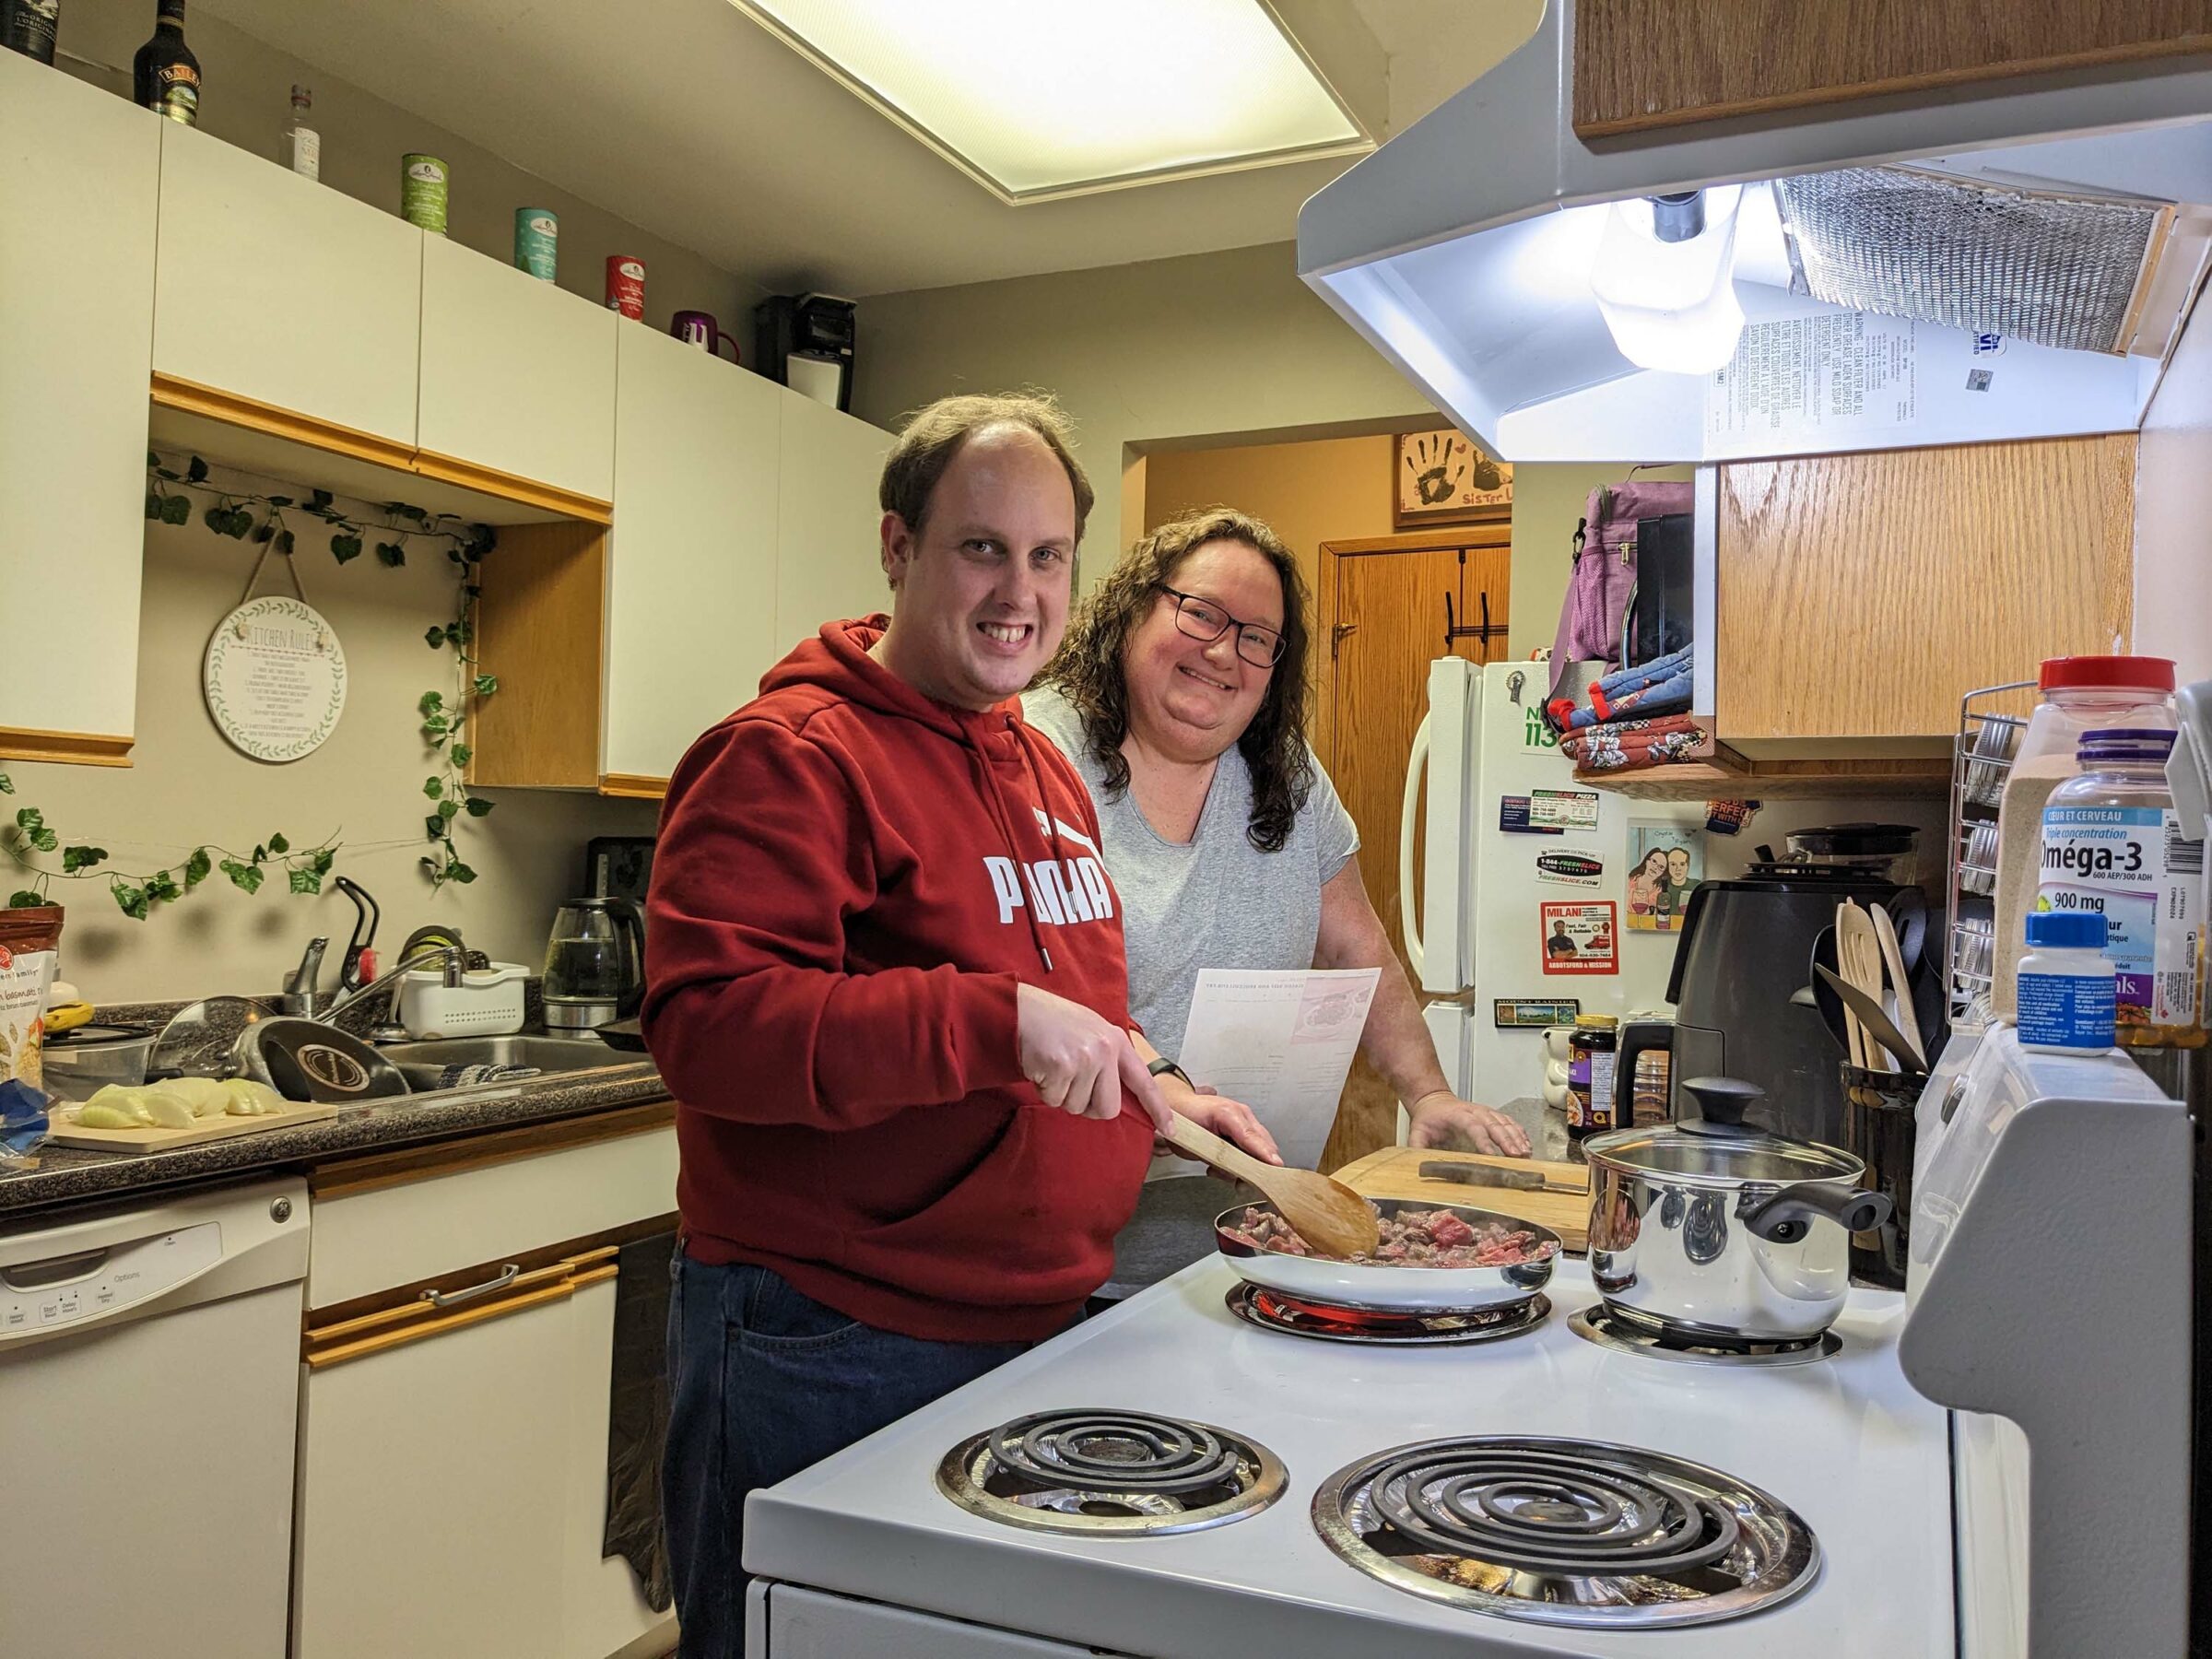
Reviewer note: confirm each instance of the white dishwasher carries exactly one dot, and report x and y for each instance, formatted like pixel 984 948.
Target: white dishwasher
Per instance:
pixel 149 1386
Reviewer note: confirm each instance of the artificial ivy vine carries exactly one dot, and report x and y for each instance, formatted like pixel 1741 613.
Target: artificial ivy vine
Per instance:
pixel 136 894
pixel 248 516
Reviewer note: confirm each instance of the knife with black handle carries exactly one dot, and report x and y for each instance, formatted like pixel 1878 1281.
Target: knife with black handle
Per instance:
pixel 1519 1181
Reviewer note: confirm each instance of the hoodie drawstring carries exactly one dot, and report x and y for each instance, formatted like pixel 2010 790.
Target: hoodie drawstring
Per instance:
pixel 1006 821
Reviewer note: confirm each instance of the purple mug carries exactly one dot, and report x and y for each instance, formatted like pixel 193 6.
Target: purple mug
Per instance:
pixel 699 328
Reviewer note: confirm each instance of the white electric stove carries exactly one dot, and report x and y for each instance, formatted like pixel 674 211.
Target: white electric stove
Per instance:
pixel 1831 1471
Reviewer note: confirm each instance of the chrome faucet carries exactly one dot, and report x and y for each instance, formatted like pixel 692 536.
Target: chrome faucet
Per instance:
pixel 298 993
pixel 455 960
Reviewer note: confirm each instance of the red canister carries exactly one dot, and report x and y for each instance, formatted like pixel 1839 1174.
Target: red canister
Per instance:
pixel 626 286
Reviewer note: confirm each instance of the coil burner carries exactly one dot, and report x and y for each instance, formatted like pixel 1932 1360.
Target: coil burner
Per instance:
pixel 1106 1474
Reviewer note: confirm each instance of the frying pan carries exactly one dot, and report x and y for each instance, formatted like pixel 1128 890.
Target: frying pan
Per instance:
pixel 1388 1287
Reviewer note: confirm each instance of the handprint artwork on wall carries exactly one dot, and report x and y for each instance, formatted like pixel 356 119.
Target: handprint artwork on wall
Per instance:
pixel 1441 478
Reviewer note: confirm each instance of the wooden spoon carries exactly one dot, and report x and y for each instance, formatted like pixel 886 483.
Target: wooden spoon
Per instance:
pixel 1859 956
pixel 1893 958
pixel 1328 1215
pixel 1854 1033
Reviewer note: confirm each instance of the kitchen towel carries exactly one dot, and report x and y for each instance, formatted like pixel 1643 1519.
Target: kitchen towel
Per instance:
pixel 1634 743
pixel 637 1416
pixel 1615 693
pixel 1669 696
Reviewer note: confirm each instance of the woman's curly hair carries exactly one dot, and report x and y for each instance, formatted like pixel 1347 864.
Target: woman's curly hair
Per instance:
pixel 1087 669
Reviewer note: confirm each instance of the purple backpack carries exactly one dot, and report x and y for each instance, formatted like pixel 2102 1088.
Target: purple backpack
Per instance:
pixel 1605 571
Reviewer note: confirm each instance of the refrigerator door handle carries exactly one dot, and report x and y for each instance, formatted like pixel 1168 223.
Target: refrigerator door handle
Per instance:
pixel 1416 763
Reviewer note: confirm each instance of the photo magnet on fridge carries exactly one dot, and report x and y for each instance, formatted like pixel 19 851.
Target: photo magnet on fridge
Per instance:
pixel 1581 938
pixel 1666 861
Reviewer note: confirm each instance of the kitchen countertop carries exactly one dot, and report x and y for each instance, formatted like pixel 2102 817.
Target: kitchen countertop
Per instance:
pixel 67 1175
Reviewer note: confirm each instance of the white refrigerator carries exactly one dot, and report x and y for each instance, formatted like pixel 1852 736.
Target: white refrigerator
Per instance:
pixel 1515 854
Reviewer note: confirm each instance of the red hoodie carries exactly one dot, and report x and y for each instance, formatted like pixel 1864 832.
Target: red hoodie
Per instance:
pixel 850 880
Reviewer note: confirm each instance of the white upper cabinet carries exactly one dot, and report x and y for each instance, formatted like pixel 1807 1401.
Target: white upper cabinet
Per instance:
pixel 517 375
pixel 282 290
pixel 829 545
pixel 78 173
pixel 691 583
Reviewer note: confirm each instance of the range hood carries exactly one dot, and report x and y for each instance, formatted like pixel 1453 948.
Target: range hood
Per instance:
pixel 1964 230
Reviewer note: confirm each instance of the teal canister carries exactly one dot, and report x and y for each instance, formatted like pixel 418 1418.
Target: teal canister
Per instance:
pixel 536 241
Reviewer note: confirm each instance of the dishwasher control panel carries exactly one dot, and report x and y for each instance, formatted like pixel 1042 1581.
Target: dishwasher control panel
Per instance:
pixel 61 1291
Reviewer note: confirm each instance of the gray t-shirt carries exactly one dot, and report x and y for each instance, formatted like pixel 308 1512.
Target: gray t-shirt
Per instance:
pixel 1215 901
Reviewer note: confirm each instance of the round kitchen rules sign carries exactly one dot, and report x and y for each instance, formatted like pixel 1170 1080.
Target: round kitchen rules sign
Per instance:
pixel 276 678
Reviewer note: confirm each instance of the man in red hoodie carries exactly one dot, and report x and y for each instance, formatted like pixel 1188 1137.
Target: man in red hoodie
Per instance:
pixel 887 988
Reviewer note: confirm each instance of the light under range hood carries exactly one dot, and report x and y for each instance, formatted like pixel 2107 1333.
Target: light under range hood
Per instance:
pixel 1464 249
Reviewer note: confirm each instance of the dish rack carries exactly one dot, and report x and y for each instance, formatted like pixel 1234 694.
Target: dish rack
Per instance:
pixel 1981 761
pixel 488 1003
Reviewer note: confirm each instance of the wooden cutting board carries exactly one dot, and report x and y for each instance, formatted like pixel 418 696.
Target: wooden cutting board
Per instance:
pixel 152 1137
pixel 1395 1173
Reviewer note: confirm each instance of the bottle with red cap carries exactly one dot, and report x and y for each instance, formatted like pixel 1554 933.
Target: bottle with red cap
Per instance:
pixel 2080 694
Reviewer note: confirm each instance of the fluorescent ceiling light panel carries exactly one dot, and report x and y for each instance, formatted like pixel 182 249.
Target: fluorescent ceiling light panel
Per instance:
pixel 1040 99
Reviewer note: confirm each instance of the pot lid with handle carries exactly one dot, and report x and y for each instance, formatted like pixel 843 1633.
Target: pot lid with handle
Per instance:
pixel 1718 1147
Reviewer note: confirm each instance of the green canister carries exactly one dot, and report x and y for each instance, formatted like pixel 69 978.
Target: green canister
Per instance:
pixel 536 239
pixel 422 185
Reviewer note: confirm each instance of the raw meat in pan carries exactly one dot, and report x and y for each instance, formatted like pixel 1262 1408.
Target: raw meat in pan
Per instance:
pixel 1410 1239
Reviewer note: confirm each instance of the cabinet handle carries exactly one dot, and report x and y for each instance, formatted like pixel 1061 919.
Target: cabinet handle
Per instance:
pixel 446 1299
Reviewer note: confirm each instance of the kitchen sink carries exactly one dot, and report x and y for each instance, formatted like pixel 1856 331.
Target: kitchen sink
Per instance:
pixel 421 1062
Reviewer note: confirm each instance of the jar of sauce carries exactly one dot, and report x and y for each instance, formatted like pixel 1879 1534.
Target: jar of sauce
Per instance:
pixel 1592 1099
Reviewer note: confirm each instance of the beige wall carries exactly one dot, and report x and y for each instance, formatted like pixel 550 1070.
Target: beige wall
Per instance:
pixel 188 786
pixel 248 103
pixel 1328 490
pixel 1215 345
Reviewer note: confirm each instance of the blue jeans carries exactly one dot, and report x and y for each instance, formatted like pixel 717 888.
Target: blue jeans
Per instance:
pixel 763 1383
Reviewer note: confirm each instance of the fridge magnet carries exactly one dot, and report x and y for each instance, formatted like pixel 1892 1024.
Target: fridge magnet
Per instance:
pixel 1666 861
pixel 1581 938
pixel 1442 478
pixel 1563 808
pixel 275 678
pixel 1514 817
pixel 1728 817
pixel 1569 869
pixel 1522 1013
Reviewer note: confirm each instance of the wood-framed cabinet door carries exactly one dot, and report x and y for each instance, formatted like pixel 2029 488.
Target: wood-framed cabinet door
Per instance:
pixel 603 1610
pixel 1859 596
pixel 429 1517
pixel 285 293
pixel 80 176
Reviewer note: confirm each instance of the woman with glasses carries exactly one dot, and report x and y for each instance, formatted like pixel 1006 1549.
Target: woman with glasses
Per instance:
pixel 1180 694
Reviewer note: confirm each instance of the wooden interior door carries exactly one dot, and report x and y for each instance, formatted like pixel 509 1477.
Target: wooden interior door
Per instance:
pixel 1383 620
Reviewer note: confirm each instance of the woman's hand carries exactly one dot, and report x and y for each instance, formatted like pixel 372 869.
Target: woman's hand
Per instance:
pixel 1443 1121
pixel 1231 1120
pixel 1079 1062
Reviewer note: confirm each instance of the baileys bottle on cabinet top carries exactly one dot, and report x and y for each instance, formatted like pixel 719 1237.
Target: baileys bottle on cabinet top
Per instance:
pixel 165 73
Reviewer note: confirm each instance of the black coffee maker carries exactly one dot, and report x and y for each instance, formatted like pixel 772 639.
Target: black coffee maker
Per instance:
pixel 1741 970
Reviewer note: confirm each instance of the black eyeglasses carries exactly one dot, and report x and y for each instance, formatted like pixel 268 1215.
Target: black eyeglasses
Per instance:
pixel 1203 619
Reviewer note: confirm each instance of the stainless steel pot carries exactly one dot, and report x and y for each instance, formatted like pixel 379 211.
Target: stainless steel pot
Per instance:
pixel 1716 1228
